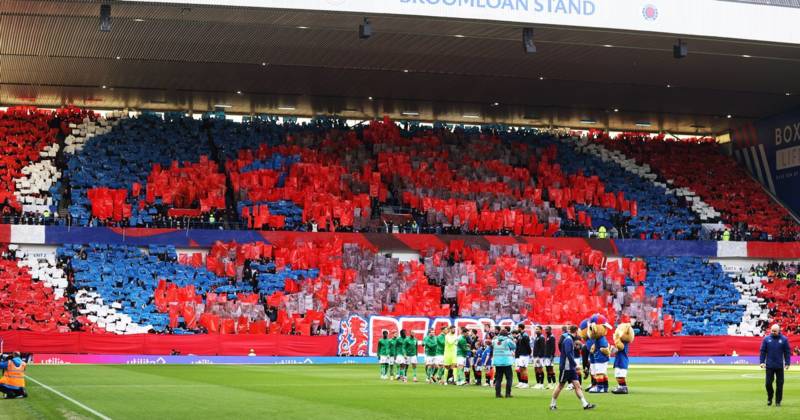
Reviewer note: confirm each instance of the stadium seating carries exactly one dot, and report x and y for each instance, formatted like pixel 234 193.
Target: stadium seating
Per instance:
pixel 700 166
pixel 25 137
pixel 123 159
pixel 697 293
pixel 27 304
pixel 783 302
pixel 291 176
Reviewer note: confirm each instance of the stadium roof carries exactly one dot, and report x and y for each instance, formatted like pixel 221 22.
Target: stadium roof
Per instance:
pixel 179 57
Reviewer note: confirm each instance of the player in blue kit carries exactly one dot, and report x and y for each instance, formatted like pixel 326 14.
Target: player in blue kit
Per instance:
pixel 568 369
pixel 486 362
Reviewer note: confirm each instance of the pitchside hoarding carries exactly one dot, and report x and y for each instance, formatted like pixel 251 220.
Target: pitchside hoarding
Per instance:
pixel 712 18
pixel 147 359
pixel 770 149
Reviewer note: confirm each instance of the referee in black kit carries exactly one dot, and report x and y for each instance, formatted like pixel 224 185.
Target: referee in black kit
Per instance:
pixel 775 356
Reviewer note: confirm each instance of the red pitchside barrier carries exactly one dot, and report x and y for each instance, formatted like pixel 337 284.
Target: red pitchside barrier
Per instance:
pixel 287 345
pixel 206 344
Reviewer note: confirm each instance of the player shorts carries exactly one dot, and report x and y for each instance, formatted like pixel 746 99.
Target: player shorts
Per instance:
pixel 384 359
pixel 599 368
pixel 412 360
pixel 537 362
pixel 400 360
pixel 461 361
pixel 449 360
pixel 430 360
pixel 620 373
pixel 523 361
pixel 391 359
pixel 567 376
pixel 547 361
pixel 439 360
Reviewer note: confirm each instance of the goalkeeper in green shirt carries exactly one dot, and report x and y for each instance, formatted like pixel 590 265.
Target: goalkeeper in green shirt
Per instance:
pixel 462 351
pixel 383 354
pixel 450 342
pixel 429 344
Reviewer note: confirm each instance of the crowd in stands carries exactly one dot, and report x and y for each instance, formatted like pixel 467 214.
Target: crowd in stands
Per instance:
pixel 700 165
pixel 781 291
pixel 309 287
pixel 695 292
pixel 74 167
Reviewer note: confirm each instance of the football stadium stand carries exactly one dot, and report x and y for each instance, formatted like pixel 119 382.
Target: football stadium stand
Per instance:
pixel 73 167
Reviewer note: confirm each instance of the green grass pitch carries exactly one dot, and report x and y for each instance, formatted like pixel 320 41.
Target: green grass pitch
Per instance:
pixel 355 392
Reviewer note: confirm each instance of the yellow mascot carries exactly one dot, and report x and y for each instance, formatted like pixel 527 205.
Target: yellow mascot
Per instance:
pixel 623 337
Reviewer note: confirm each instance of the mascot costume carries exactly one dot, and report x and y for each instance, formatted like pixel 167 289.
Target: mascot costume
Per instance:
pixel 623 337
pixel 586 357
pixel 600 352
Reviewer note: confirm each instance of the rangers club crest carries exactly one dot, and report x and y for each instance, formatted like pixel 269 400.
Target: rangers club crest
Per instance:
pixel 650 12
pixel 353 337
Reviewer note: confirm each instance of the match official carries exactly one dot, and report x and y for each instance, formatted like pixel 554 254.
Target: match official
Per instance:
pixel 775 356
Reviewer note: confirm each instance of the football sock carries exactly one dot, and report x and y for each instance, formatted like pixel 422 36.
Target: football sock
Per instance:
pixel 466 374
pixel 584 402
pixel 414 369
pixel 552 402
pixel 551 375
pixel 478 377
pixel 383 369
pixel 621 382
pixel 519 376
pixel 459 375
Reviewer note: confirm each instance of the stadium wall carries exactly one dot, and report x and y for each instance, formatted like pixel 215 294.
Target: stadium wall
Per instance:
pixel 396 243
pixel 157 344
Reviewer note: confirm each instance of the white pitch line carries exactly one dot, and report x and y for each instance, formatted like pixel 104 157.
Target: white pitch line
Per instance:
pixel 76 402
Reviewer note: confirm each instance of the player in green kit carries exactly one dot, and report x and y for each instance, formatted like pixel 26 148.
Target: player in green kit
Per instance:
pixel 429 343
pixel 462 351
pixel 392 355
pixel 437 378
pixel 411 351
pixel 400 359
pixel 383 354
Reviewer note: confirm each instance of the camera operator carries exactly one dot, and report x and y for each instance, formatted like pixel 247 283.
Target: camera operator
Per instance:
pixel 12 384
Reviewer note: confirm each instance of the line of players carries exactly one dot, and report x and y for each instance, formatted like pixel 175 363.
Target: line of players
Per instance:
pixel 464 358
